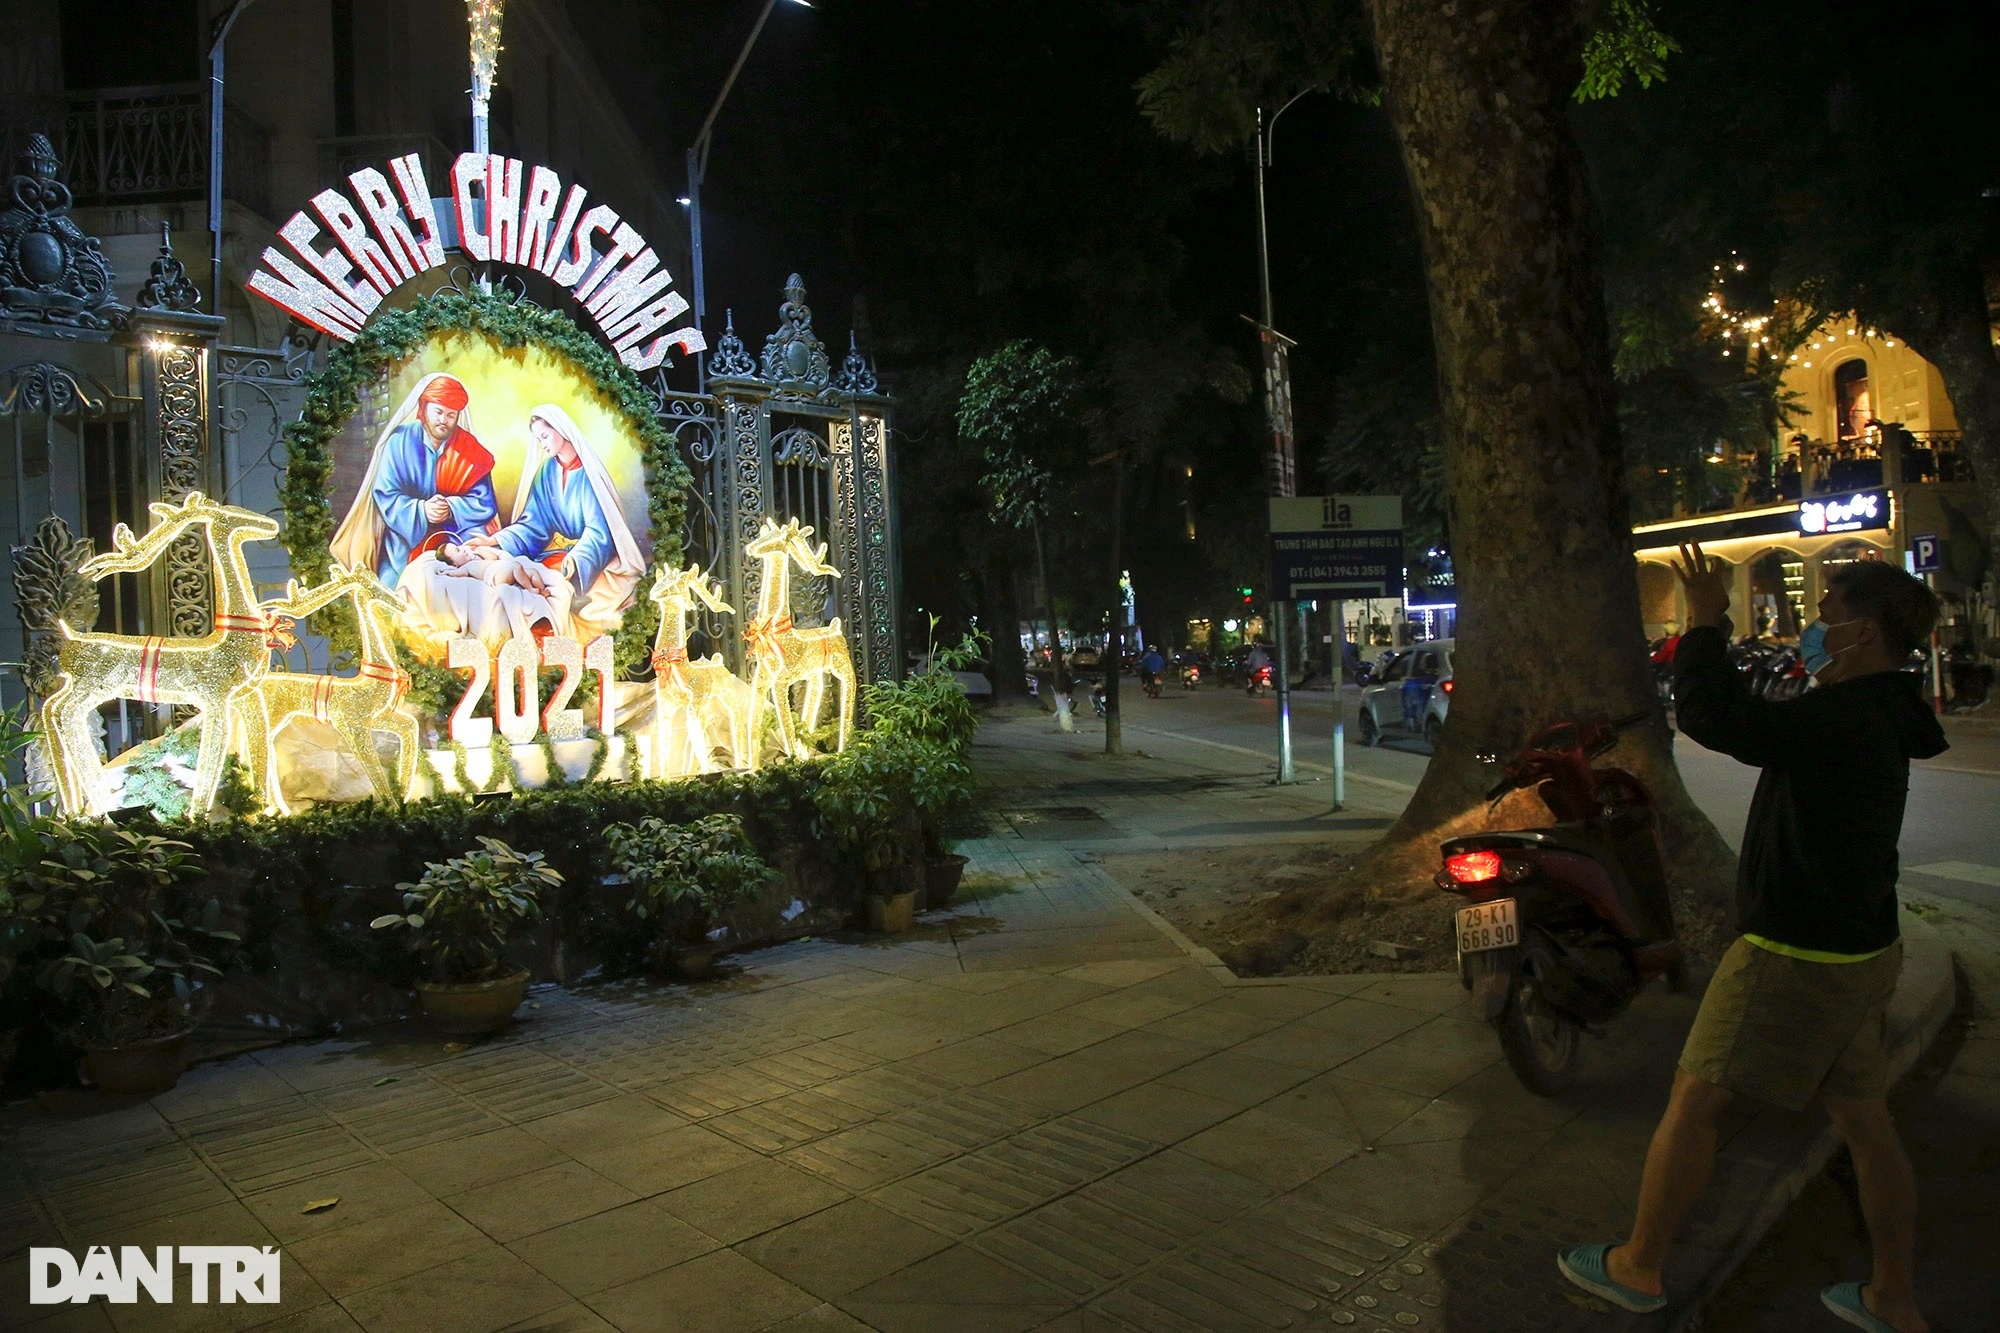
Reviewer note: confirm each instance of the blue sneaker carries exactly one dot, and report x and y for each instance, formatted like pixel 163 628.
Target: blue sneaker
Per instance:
pixel 1844 1300
pixel 1584 1266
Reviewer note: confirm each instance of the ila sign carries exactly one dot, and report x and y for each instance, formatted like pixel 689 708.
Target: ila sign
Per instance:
pixel 1845 513
pixel 357 245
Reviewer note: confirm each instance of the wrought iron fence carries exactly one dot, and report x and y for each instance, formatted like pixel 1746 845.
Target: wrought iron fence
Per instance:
pixel 148 143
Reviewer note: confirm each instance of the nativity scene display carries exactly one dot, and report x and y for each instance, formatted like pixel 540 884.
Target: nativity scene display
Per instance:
pixel 499 497
pixel 489 514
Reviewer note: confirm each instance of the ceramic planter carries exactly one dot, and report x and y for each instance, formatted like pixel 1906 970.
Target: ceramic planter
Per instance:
pixel 892 913
pixel 138 1068
pixel 691 962
pixel 475 1007
pixel 941 879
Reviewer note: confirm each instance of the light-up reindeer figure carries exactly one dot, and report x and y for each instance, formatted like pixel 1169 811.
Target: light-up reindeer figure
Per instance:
pixel 785 655
pixel 209 672
pixel 696 703
pixel 354 706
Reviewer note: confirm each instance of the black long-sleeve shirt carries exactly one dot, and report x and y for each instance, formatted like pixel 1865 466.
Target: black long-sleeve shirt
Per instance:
pixel 1818 867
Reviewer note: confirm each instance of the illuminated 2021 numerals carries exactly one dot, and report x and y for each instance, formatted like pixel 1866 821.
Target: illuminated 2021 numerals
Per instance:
pixel 517 705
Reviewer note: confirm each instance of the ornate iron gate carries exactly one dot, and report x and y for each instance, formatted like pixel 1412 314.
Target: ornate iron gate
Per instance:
pixel 784 435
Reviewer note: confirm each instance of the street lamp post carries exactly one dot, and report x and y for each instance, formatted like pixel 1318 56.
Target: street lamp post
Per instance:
pixel 218 35
pixel 1277 398
pixel 697 168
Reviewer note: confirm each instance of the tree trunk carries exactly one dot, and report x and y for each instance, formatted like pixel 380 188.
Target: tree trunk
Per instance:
pixel 1002 609
pixel 1113 660
pixel 1541 534
pixel 1953 331
pixel 1047 598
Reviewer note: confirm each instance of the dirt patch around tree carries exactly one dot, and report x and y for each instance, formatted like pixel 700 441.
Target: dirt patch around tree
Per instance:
pixel 1228 900
pixel 1290 910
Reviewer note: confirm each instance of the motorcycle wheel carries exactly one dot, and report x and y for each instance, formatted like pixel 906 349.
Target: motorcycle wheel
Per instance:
pixel 1433 732
pixel 1371 734
pixel 1541 1042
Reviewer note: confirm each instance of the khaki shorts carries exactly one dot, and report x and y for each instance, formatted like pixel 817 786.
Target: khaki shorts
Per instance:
pixel 1784 1030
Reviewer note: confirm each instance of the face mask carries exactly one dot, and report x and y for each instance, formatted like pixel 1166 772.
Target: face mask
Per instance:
pixel 1812 645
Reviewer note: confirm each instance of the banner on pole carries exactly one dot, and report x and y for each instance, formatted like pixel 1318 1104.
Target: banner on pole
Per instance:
pixel 1283 461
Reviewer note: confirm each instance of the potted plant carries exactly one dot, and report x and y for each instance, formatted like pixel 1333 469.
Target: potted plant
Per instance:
pixel 125 976
pixel 459 916
pixel 864 808
pixel 941 790
pixel 931 708
pixel 681 876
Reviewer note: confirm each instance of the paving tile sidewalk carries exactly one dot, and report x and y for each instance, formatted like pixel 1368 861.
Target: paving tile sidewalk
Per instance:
pixel 1037 1110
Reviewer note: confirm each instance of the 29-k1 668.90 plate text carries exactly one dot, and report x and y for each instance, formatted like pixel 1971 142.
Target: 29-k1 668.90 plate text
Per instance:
pixel 1488 926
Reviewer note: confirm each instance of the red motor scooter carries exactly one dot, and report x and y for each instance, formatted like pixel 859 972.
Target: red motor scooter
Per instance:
pixel 1563 924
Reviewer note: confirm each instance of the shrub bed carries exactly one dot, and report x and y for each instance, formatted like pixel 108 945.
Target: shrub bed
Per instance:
pixel 299 894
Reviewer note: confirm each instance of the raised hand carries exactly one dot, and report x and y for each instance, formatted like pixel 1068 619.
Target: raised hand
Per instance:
pixel 1705 584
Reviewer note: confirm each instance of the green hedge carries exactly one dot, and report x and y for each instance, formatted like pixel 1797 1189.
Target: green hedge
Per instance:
pixel 303 889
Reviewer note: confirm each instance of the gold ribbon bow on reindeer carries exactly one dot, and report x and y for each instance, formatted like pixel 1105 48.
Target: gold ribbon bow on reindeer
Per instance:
pixel 762 635
pixel 276 629
pixel 670 664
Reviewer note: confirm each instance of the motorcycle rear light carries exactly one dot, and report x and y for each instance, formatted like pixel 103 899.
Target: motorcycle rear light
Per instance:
pixel 1445 685
pixel 1473 867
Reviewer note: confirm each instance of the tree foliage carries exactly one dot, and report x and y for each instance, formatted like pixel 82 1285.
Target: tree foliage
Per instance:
pixel 1022 407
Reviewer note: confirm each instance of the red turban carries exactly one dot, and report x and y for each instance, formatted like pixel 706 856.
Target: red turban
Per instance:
pixel 446 392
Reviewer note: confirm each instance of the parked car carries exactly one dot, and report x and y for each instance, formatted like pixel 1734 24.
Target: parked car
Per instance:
pixel 1382 698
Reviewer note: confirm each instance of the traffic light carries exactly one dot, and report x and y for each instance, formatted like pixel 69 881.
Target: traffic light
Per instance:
pixel 1249 599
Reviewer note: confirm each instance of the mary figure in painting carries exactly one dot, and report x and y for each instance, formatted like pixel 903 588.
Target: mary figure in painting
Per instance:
pixel 566 563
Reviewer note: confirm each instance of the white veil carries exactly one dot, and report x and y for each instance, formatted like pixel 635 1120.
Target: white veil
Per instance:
pixel 358 540
pixel 599 605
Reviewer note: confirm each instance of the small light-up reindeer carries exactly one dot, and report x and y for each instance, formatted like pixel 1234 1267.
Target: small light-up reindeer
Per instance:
pixel 785 655
pixel 354 706
pixel 210 672
pixel 697 704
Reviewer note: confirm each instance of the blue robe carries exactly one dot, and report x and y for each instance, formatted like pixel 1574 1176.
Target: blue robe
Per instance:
pixel 562 517
pixel 407 475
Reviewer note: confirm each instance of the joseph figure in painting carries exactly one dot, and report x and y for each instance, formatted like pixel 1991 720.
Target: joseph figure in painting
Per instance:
pixel 429 482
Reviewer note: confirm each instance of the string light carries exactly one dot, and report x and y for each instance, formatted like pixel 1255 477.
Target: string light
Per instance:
pixel 483 17
pixel 695 702
pixel 375 698
pixel 209 672
pixel 785 655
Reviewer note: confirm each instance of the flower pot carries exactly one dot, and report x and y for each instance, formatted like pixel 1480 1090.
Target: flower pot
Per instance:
pixel 941 879
pixel 692 962
pixel 138 1068
pixel 473 1007
pixel 892 913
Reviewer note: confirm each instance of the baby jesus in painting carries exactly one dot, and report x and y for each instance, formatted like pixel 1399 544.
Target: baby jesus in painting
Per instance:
pixel 477 590
pixel 494 567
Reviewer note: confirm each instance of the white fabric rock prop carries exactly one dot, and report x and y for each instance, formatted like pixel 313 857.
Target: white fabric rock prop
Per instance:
pixel 314 768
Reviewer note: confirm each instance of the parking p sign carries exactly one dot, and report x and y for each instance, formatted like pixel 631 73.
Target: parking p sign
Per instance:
pixel 1927 553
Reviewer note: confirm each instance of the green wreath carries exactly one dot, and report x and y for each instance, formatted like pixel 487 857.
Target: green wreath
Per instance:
pixel 334 394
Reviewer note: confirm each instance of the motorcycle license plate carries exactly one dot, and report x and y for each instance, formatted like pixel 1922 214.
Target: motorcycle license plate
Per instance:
pixel 1488 926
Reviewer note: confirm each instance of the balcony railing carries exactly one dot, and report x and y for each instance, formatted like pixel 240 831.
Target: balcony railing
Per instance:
pixel 127 145
pixel 1926 456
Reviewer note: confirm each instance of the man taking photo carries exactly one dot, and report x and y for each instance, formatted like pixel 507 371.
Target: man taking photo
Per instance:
pixel 1798 1006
